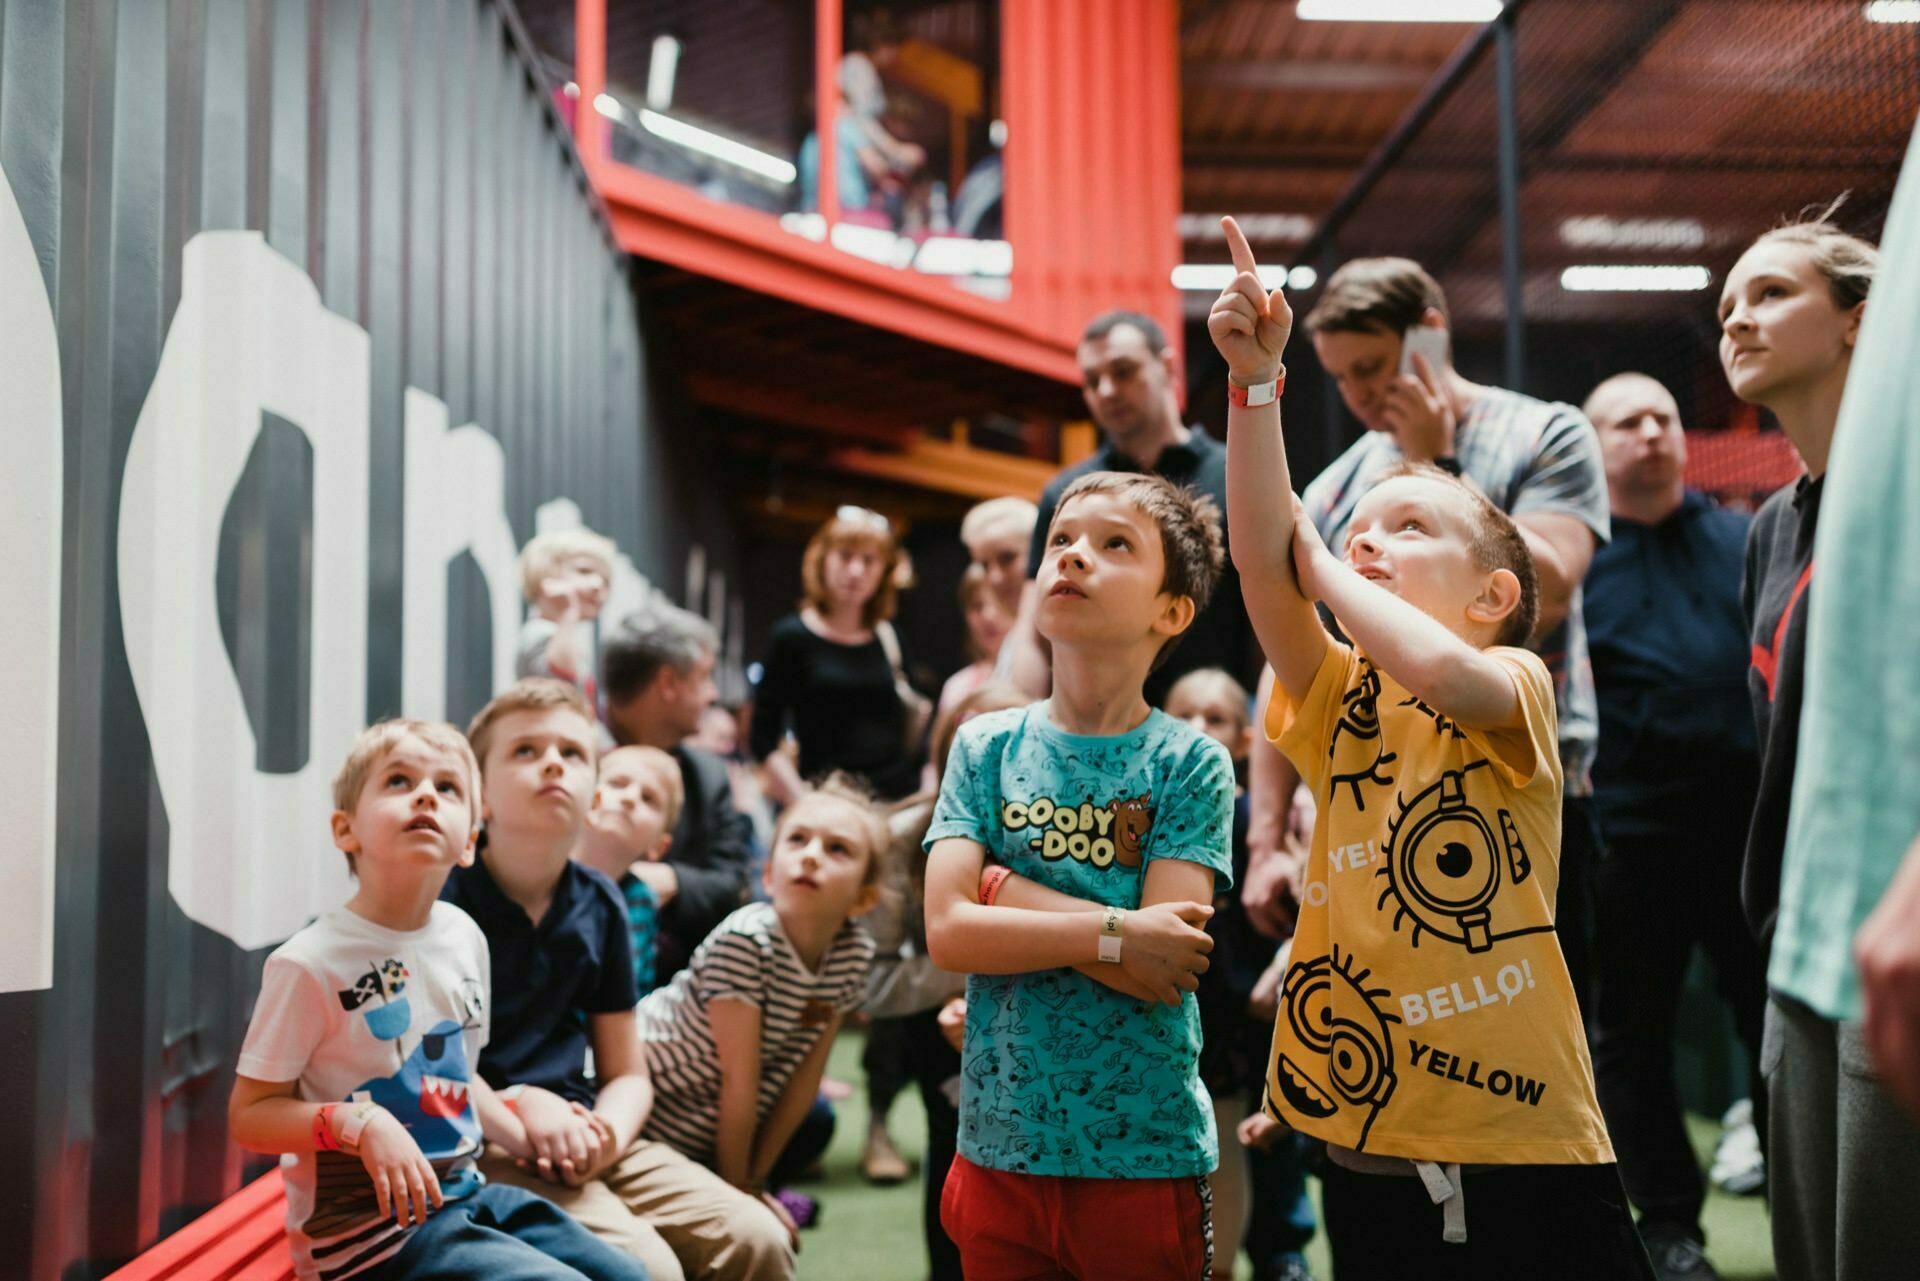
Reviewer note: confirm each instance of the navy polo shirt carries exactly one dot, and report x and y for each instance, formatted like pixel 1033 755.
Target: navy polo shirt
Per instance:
pixel 1668 641
pixel 578 960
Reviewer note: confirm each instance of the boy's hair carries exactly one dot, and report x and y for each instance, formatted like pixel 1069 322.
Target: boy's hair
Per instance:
pixel 535 693
pixel 842 786
pixel 848 527
pixel 997 516
pixel 676 785
pixel 1497 544
pixel 1846 262
pixel 1207 680
pixel 1189 525
pixel 545 551
pixel 378 739
pixel 1370 295
pixel 659 635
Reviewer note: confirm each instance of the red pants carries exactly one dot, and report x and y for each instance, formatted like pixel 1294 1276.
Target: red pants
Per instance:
pixel 1043 1227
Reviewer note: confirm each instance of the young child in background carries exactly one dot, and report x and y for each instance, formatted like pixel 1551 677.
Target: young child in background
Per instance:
pixel 565 576
pixel 629 828
pixel 357 1066
pixel 738 1041
pixel 1427 1030
pixel 1086 1137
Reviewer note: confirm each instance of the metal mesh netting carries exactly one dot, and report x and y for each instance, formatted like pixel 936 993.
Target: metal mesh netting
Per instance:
pixel 1651 133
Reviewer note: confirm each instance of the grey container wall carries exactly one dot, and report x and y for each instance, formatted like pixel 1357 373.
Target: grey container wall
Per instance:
pixel 404 157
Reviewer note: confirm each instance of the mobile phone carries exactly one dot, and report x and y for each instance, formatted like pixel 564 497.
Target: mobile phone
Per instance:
pixel 1427 341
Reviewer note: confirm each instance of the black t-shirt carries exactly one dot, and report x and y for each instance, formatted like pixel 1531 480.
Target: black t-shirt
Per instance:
pixel 577 961
pixel 1779 571
pixel 841 704
pixel 1220 635
pixel 1668 641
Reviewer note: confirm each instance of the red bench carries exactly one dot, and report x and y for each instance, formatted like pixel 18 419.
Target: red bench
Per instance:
pixel 244 1238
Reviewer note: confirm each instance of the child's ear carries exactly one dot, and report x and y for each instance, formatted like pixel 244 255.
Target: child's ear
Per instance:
pixel 868 900
pixel 1243 748
pixel 343 838
pixel 1176 616
pixel 660 850
pixel 467 851
pixel 1500 597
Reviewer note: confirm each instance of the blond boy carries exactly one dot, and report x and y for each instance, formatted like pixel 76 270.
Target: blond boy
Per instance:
pixel 629 831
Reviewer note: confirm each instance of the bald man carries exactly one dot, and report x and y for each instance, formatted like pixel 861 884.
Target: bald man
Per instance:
pixel 1673 786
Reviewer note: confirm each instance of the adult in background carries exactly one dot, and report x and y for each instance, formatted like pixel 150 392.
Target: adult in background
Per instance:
pixel 656 669
pixel 830 676
pixel 1842 1159
pixel 1538 462
pixel 1673 786
pixel 1130 378
pixel 986 632
pixel 998 534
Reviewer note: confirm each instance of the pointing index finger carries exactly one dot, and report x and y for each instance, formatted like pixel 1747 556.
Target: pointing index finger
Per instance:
pixel 1237 245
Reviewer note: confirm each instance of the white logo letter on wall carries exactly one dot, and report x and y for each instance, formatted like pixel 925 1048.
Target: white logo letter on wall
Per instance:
pixel 250 855
pixel 456 500
pixel 30 498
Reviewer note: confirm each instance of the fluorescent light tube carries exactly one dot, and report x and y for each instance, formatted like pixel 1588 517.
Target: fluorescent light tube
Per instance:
pixel 1905 11
pixel 660 72
pixel 1634 279
pixel 1400 10
pixel 707 143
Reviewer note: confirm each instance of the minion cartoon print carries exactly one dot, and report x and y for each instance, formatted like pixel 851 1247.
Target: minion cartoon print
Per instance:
pixel 1360 720
pixel 1445 866
pixel 1341 1030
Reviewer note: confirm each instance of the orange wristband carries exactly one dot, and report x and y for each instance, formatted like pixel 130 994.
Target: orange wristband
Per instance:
pixel 991 881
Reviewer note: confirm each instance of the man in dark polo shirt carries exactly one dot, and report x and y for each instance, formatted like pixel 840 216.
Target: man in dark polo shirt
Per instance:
pixel 1130 375
pixel 1673 785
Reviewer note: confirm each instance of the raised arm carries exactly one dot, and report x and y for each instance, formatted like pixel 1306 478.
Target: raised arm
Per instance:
pixel 1249 327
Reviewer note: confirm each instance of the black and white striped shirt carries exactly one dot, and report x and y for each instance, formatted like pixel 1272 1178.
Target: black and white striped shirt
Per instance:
pixel 746 958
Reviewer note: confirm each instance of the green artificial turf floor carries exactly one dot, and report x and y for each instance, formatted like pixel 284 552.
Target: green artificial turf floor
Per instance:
pixel 871 1233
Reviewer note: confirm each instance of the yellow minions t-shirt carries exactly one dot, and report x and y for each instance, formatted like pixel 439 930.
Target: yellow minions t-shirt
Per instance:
pixel 1426 1011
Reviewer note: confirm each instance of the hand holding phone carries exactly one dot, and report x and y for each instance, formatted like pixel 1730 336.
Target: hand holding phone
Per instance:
pixel 1423 340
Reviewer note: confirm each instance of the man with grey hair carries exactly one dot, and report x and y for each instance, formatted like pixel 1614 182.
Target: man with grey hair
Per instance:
pixel 656 669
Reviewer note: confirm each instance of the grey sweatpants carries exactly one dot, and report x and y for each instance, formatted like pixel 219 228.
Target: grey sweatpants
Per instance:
pixel 1843 1161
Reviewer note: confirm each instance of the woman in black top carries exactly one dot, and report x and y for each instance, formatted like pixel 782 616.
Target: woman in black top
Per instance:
pixel 826 674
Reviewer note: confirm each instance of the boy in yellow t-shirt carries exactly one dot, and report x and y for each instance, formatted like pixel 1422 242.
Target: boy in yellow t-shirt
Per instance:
pixel 1427 1030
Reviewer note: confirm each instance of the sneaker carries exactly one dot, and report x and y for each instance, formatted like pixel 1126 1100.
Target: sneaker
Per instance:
pixel 1739 1164
pixel 1677 1257
pixel 881 1163
pixel 1293 1267
pixel 804 1209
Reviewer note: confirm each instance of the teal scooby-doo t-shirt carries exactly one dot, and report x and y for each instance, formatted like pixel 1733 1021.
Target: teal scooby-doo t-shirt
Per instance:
pixel 1059 1074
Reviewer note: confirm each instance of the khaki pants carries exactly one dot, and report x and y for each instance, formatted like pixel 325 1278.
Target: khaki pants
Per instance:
pixel 673 1214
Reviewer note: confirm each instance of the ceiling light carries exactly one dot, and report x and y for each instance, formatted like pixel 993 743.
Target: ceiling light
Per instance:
pixel 1212 277
pixel 1302 277
pixel 1602 232
pixel 1289 227
pixel 1400 10
pixel 609 106
pixel 959 256
pixel 707 143
pixel 1625 279
pixel 660 71
pixel 1907 11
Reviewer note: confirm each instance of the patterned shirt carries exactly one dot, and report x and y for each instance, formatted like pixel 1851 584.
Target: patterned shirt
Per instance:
pixel 1060 1074
pixel 643 924
pixel 1527 456
pixel 746 958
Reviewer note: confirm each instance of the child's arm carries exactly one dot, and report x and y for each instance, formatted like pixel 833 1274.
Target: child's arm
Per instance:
pixel 498 1121
pixel 1250 328
pixel 1413 647
pixel 1167 881
pixel 1166 947
pixel 736 1039
pixel 791 1107
pixel 626 1088
pixel 265 1116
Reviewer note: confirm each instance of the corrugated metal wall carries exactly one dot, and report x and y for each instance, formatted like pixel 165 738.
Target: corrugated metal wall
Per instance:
pixel 400 154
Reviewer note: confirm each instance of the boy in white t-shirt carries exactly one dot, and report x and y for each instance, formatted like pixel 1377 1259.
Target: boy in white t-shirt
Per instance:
pixel 357 1066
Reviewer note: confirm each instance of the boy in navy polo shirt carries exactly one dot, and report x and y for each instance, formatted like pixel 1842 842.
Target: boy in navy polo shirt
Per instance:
pixel 563 982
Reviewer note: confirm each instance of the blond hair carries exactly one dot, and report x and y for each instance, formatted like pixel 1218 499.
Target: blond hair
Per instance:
pixel 998 516
pixel 1204 681
pixel 380 738
pixel 1497 544
pixel 535 693
pixel 670 770
pixel 1845 261
pixel 873 833
pixel 854 527
pixel 545 553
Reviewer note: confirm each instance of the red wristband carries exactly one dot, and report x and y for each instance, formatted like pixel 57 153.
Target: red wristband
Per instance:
pixel 323 1140
pixel 990 882
pixel 1237 395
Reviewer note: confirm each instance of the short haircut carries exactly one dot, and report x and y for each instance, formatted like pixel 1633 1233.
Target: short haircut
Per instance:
pixel 1189 525
pixel 534 694
pixel 1616 380
pixel 998 516
pixel 1108 321
pixel 1497 544
pixel 1371 295
pixel 669 769
pixel 1203 681
pixel 660 635
pixel 841 786
pixel 1847 262
pixel 376 740
pixel 544 552
pixel 853 527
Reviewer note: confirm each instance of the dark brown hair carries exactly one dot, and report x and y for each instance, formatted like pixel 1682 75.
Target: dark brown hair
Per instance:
pixel 1371 295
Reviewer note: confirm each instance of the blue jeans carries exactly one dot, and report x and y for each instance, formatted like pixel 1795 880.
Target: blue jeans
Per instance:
pixel 505 1234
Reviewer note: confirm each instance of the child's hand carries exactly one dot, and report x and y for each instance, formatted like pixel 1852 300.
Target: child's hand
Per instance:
pixel 1249 326
pixel 1166 948
pixel 1311 559
pixel 785 1216
pixel 403 1179
pixel 564 1142
pixel 608 1152
pixel 1263 1002
pixel 1261 1131
pixel 953 1022
pixel 560 598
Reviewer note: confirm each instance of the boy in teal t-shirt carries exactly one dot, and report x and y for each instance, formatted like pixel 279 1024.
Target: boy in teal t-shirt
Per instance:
pixel 1072 856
